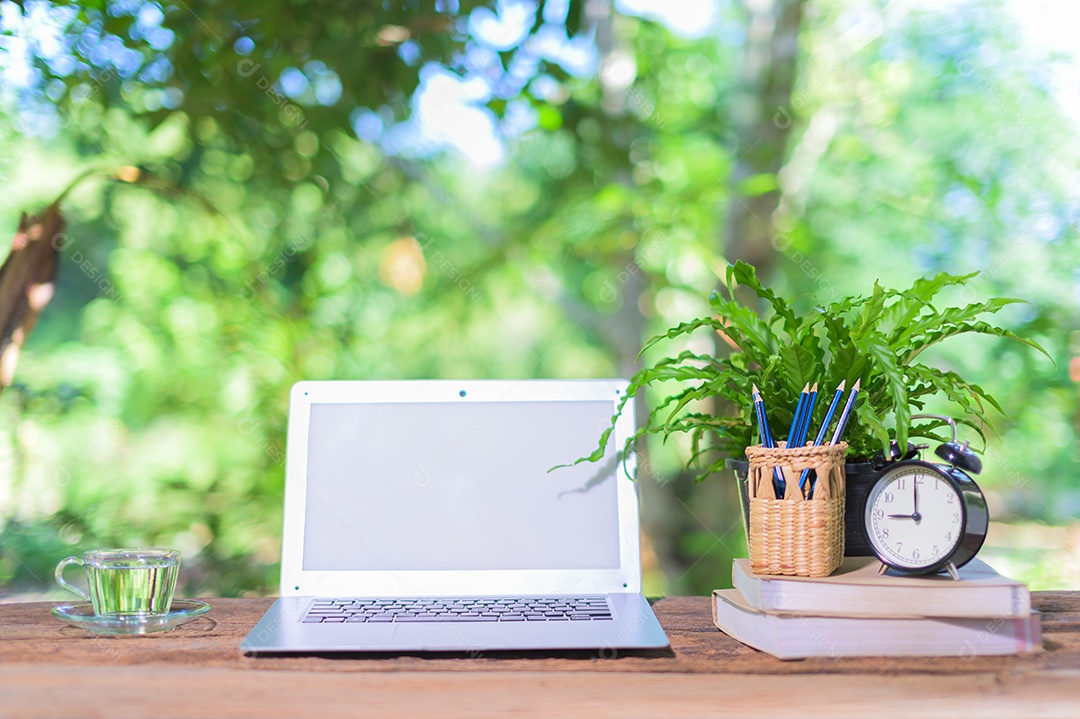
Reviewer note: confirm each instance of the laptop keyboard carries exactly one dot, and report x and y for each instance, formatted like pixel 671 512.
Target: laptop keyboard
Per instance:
pixel 448 609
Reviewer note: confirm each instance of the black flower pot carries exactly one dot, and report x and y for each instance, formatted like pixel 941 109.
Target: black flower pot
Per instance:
pixel 858 476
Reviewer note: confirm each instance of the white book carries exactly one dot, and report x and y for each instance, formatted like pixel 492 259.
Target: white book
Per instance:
pixel 797 636
pixel 857 590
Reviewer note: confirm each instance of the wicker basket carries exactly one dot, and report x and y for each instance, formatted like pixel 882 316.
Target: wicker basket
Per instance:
pixel 794 535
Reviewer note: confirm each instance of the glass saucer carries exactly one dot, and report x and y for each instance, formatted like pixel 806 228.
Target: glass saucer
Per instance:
pixel 82 615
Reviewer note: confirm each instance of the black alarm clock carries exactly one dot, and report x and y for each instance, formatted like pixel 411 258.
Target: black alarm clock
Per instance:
pixel 923 517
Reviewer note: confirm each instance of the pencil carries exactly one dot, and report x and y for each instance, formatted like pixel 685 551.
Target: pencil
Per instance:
pixel 767 439
pixel 841 424
pixel 759 410
pixel 825 425
pixel 796 421
pixel 804 427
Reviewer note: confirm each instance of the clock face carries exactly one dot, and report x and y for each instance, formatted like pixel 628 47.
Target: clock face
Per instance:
pixel 914 517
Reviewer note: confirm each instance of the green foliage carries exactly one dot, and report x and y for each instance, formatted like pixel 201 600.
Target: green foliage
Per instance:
pixel 150 402
pixel 223 64
pixel 873 339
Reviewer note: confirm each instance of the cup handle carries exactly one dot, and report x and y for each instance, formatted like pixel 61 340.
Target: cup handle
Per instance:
pixel 60 578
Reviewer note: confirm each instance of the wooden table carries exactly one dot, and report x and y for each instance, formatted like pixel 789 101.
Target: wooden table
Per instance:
pixel 50 670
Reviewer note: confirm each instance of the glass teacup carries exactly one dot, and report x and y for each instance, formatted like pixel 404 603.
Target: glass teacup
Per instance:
pixel 126 582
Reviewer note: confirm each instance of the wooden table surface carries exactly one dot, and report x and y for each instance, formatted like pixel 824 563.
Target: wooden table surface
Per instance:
pixel 48 669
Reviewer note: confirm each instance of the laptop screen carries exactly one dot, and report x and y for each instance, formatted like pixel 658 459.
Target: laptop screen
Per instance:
pixel 458 486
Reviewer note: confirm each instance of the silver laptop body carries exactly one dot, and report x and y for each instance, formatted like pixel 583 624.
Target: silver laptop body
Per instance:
pixel 420 497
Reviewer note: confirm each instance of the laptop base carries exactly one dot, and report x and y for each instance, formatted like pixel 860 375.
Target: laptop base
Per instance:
pixel 281 630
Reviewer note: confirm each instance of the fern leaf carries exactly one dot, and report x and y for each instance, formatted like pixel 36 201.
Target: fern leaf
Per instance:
pixel 746 275
pixel 956 327
pixel 877 346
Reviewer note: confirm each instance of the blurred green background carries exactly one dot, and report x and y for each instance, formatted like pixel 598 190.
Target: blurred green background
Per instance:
pixel 463 189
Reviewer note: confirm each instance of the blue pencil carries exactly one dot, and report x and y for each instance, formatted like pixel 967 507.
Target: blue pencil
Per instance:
pixel 763 427
pixel 796 421
pixel 841 424
pixel 825 426
pixel 767 439
pixel 804 426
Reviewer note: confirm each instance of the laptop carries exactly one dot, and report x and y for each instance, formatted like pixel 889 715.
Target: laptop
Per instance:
pixel 421 516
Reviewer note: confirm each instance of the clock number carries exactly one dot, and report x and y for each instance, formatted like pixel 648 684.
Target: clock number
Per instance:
pixel 901 483
pixel 899 546
pixel 955 517
pixel 885 533
pixel 949 499
pixel 934 551
pixel 879 514
pixel 887 497
pixel 948 536
pixel 914 553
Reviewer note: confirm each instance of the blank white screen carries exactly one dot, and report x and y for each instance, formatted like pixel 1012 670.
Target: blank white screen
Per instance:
pixel 459 485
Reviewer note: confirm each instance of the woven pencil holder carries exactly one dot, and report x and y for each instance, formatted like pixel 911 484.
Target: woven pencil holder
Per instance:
pixel 794 535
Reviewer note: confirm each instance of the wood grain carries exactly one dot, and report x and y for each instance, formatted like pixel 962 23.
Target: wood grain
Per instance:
pixel 49 669
pixel 193 693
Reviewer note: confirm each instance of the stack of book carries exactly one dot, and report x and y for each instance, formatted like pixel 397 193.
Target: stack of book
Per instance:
pixel 858 612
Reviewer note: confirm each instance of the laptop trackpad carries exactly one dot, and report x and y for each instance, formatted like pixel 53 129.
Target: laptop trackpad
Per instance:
pixel 474 638
pixel 341 637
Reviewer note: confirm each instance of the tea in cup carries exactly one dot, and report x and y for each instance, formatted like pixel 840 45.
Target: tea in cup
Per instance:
pixel 126 582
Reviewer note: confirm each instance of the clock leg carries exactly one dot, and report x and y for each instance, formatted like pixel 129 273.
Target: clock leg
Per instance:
pixel 883 568
pixel 951 569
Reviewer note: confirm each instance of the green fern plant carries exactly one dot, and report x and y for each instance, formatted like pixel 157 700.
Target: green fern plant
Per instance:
pixel 877 339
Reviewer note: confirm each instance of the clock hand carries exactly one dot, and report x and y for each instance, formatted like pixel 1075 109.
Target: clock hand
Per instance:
pixel 904 516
